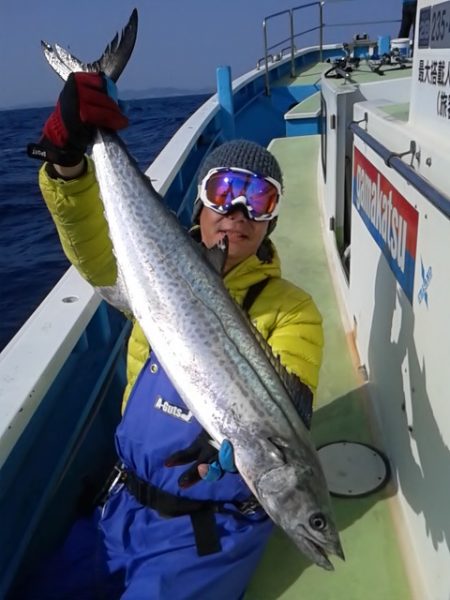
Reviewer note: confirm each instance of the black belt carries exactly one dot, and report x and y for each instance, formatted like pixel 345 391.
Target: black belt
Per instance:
pixel 201 512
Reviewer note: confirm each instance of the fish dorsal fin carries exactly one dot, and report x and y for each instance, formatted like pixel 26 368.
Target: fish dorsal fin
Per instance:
pixel 299 392
pixel 217 255
pixel 301 395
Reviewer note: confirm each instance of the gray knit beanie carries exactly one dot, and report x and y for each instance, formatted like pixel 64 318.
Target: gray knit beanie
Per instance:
pixel 240 154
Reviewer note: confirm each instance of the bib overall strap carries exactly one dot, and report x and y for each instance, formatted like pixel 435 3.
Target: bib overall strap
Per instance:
pixel 253 292
pixel 201 512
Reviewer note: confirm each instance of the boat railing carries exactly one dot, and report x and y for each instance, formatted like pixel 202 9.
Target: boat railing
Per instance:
pixel 394 160
pixel 272 55
pixel 291 39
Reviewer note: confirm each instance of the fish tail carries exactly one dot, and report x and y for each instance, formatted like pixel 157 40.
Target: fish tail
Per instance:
pixel 112 62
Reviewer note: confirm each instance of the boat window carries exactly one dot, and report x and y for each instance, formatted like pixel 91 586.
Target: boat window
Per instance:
pixel 323 135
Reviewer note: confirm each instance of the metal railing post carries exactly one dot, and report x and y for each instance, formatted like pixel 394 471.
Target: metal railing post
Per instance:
pixel 291 19
pixel 266 63
pixel 321 30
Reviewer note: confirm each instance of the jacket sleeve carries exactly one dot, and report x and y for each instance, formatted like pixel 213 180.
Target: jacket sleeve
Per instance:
pixel 77 212
pixel 292 325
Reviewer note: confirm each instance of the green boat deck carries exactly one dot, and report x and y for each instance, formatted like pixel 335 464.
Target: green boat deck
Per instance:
pixel 399 111
pixel 374 567
pixel 309 75
pixel 308 107
pixel 312 74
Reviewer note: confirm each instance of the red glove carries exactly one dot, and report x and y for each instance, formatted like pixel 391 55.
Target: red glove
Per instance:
pixel 83 105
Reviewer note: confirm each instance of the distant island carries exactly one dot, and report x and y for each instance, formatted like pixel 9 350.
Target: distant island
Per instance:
pixel 161 92
pixel 154 92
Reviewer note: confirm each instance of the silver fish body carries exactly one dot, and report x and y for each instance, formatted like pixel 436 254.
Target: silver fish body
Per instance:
pixel 211 354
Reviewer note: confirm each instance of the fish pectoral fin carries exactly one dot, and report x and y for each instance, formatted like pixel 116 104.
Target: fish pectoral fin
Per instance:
pixel 217 255
pixel 275 447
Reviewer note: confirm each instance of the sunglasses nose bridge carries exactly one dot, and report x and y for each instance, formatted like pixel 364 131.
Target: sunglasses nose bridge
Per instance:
pixel 239 200
pixel 238 211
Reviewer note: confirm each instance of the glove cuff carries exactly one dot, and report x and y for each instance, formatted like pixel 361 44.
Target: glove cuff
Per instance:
pixel 46 151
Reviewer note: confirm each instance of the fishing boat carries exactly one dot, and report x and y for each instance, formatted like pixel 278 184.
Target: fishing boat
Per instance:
pixel 361 132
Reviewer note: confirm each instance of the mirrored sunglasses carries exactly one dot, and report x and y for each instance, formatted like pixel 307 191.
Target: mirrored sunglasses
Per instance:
pixel 225 188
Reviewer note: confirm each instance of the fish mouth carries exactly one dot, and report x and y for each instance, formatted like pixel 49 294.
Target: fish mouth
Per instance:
pixel 317 554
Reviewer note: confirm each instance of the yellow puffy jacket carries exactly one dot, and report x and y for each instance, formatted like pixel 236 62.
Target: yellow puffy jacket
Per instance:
pixel 285 315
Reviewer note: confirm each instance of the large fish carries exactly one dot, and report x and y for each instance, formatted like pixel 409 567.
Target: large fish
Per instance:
pixel 227 377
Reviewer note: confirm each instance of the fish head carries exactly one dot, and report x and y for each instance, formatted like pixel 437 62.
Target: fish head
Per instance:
pixel 293 491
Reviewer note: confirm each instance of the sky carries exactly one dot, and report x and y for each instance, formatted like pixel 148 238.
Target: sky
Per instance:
pixel 180 42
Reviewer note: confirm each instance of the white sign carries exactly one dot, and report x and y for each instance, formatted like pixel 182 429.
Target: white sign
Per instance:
pixel 430 103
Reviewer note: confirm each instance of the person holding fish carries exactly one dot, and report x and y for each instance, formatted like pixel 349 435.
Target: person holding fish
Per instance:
pixel 178 520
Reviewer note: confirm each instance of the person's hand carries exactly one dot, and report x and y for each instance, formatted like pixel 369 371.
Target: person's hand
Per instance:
pixel 87 102
pixel 210 464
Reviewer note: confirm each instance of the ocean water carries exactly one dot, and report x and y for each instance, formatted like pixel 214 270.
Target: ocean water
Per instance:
pixel 31 259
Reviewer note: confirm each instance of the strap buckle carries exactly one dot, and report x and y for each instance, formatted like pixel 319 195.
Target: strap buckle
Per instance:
pixel 248 507
pixel 118 475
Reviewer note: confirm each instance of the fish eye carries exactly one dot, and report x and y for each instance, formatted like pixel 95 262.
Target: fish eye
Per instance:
pixel 318 521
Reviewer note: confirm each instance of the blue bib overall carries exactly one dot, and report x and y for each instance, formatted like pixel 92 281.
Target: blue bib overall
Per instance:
pixel 156 557
pixel 159 554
